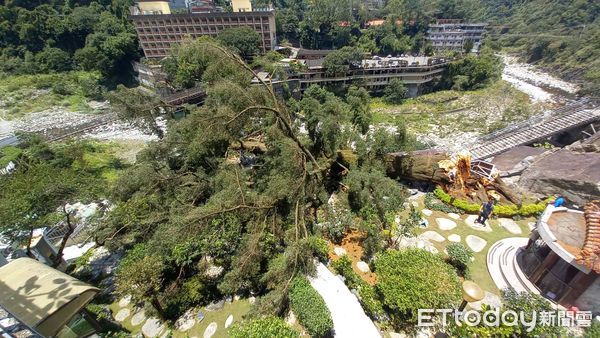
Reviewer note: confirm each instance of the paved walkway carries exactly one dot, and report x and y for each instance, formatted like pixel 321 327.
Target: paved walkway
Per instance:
pixel 349 318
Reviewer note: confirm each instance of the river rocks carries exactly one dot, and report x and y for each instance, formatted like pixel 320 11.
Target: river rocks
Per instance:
pixel 122 315
pixel 475 243
pixel 445 224
pixel 152 328
pixel 210 330
pixel 432 236
pixel 339 251
pixel 454 238
pixel 510 225
pixel 186 321
pixel 572 174
pixel 229 321
pixel 470 221
pixel 363 266
pixel 427 212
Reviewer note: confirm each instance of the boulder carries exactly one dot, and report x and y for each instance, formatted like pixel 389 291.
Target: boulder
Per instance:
pixel 571 174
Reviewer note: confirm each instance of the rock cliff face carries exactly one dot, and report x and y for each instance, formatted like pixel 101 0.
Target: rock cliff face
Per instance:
pixel 575 175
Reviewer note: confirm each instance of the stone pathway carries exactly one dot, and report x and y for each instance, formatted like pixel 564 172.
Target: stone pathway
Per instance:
pixel 349 318
pixel 210 330
pixel 432 236
pixel 152 328
pixel 229 321
pixel 291 318
pixel 138 318
pixel 470 221
pixel 454 238
pixel 510 225
pixel 453 215
pixel 445 224
pixel 475 243
pixel 363 266
pixel 417 242
pixel 122 315
pixel 531 225
pixel 427 212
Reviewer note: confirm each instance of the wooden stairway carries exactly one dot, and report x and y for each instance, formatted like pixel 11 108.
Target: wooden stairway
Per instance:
pixel 566 119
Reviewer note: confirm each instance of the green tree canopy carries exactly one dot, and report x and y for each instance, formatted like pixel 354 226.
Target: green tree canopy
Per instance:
pixel 243 40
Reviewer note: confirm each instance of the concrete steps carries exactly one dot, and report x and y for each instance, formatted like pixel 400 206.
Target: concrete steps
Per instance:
pixel 503 267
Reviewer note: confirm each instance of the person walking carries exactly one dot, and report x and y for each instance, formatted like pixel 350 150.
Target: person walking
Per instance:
pixel 485 211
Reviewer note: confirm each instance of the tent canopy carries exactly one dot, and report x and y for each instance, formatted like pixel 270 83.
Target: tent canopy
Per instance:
pixel 41 297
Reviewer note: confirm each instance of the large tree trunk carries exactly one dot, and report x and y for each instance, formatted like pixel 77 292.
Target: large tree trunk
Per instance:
pixel 421 165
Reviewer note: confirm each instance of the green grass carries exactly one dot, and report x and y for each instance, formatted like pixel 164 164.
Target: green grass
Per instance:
pixel 7 154
pixel 478 268
pixel 238 309
pixel 459 111
pixel 23 94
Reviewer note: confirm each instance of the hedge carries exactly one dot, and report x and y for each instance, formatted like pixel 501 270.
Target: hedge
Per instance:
pixel 499 210
pixel 263 327
pixel 310 308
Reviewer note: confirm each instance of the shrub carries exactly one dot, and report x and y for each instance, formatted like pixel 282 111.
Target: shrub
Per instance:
pixel 433 203
pixel 310 308
pixel 319 247
pixel 263 327
pixel 414 279
pixel 459 256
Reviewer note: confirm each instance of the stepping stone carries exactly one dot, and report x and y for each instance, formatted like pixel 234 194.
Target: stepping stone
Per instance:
pixel 433 236
pixel 454 238
pixel 445 224
pixel 427 212
pixel 291 318
pixel 236 297
pixel 490 299
pixel 229 321
pixel 362 266
pixel 216 306
pixel 453 215
pixel 186 321
pixel 510 225
pixel 470 221
pixel 339 251
pixel 138 318
pixel 251 300
pixel 531 225
pixel 125 301
pixel 210 330
pixel 475 243
pixel 415 204
pixel 122 315
pixel 405 205
pixel 152 328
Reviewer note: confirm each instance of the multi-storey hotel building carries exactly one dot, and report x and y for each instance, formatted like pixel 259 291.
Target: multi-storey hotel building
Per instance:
pixel 451 34
pixel 158 30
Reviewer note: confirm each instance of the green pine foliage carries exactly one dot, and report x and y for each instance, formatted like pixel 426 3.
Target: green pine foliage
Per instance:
pixel 310 308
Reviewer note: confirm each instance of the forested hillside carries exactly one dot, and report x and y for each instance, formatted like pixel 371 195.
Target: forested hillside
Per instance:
pixel 56 36
pixel 561 35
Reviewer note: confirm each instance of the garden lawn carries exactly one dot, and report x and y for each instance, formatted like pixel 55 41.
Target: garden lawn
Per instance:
pixel 237 308
pixel 478 268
